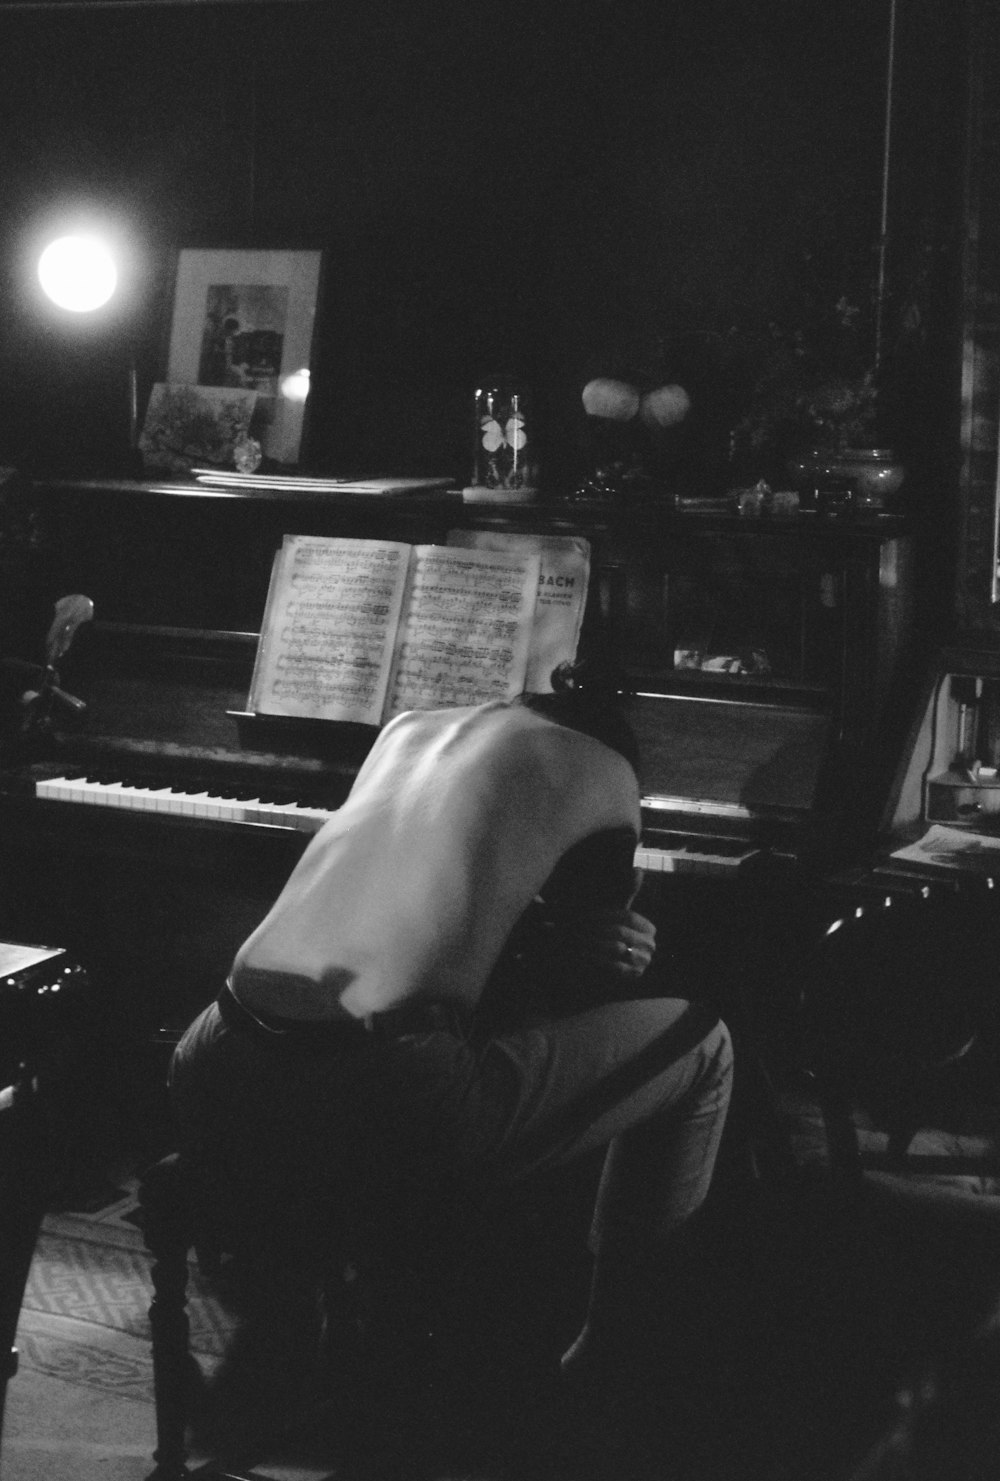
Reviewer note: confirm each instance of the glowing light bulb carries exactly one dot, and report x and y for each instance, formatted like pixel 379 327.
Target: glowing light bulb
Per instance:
pixel 78 273
pixel 295 387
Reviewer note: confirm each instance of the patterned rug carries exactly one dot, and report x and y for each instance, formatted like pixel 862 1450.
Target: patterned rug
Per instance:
pixel 85 1313
pixel 81 1407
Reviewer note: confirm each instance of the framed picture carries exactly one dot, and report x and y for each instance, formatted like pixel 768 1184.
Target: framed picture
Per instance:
pixel 245 319
pixel 186 425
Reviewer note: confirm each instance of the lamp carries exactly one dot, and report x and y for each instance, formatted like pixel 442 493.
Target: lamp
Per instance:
pixel 78 273
pixel 82 274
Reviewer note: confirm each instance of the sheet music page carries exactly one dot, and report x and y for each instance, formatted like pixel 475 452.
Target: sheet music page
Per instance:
pixel 953 848
pixel 466 628
pixel 16 957
pixel 563 579
pixel 329 625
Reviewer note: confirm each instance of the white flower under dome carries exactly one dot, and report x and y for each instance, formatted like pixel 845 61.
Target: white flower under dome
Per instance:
pixel 618 401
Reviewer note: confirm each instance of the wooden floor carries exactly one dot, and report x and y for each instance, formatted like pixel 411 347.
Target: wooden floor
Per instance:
pixel 801 1336
pixel 802 1333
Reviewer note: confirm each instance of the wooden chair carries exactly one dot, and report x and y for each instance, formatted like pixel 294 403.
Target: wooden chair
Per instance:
pixel 23 1193
pixel 376 1312
pixel 399 1334
pixel 899 1019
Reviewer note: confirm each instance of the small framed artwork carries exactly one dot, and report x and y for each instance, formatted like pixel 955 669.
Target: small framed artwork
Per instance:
pixel 245 319
pixel 186 425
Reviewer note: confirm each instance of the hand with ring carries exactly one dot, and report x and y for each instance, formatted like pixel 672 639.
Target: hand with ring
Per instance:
pixel 617 945
pixel 595 951
pixel 625 944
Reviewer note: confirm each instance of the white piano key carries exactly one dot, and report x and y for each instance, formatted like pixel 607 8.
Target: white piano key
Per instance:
pixel 114 794
pixel 77 789
pixel 53 789
pixel 155 799
pixel 278 813
pixel 687 860
pixel 138 799
pixel 202 804
pixel 313 818
pixel 86 791
pixel 254 811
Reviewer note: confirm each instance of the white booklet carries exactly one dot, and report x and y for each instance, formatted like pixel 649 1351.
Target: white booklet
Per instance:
pixel 563 579
pixel 953 848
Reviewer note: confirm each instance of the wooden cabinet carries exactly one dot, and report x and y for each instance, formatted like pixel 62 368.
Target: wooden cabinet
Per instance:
pixel 792 604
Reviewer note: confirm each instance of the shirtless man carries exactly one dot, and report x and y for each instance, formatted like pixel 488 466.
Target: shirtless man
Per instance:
pixel 350 1063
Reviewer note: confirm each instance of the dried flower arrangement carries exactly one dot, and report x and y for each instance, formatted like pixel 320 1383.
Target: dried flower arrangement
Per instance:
pixel 827 374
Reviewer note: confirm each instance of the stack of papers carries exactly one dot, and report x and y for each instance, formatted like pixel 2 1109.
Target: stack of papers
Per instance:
pixel 301 483
pixel 953 848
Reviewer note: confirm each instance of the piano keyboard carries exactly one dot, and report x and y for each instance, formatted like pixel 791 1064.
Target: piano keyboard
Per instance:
pixel 682 854
pixel 695 856
pixel 227 806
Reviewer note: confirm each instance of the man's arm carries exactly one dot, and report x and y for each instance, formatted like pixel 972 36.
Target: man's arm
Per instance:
pixel 580 942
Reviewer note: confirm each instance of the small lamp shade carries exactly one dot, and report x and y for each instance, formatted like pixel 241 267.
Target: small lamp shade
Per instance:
pixel 77 273
pixel 88 417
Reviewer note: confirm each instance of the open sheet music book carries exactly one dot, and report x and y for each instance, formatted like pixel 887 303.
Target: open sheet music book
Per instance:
pixel 360 630
pixel 953 848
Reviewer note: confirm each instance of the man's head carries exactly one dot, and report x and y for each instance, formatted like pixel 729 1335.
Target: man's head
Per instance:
pixel 587 699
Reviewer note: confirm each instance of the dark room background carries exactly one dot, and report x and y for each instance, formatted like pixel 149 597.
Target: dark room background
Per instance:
pixel 566 190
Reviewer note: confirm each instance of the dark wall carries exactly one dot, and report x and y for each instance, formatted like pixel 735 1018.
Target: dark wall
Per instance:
pixel 568 190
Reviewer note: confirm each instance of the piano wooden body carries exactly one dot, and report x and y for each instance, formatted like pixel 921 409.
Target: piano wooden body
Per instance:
pixel 764 656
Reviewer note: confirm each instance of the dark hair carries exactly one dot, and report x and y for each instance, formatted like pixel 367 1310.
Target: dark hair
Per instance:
pixel 588 698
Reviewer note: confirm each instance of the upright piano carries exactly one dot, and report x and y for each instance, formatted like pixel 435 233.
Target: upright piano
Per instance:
pixel 147 835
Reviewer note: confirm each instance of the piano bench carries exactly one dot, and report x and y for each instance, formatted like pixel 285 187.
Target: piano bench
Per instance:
pixel 361 1312
pixel 45 998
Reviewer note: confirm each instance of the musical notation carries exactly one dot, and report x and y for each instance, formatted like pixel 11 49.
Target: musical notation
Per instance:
pixel 359 630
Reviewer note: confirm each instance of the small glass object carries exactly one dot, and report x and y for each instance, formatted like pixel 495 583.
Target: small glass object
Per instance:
pixel 504 451
pixel 836 498
pixel 247 454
